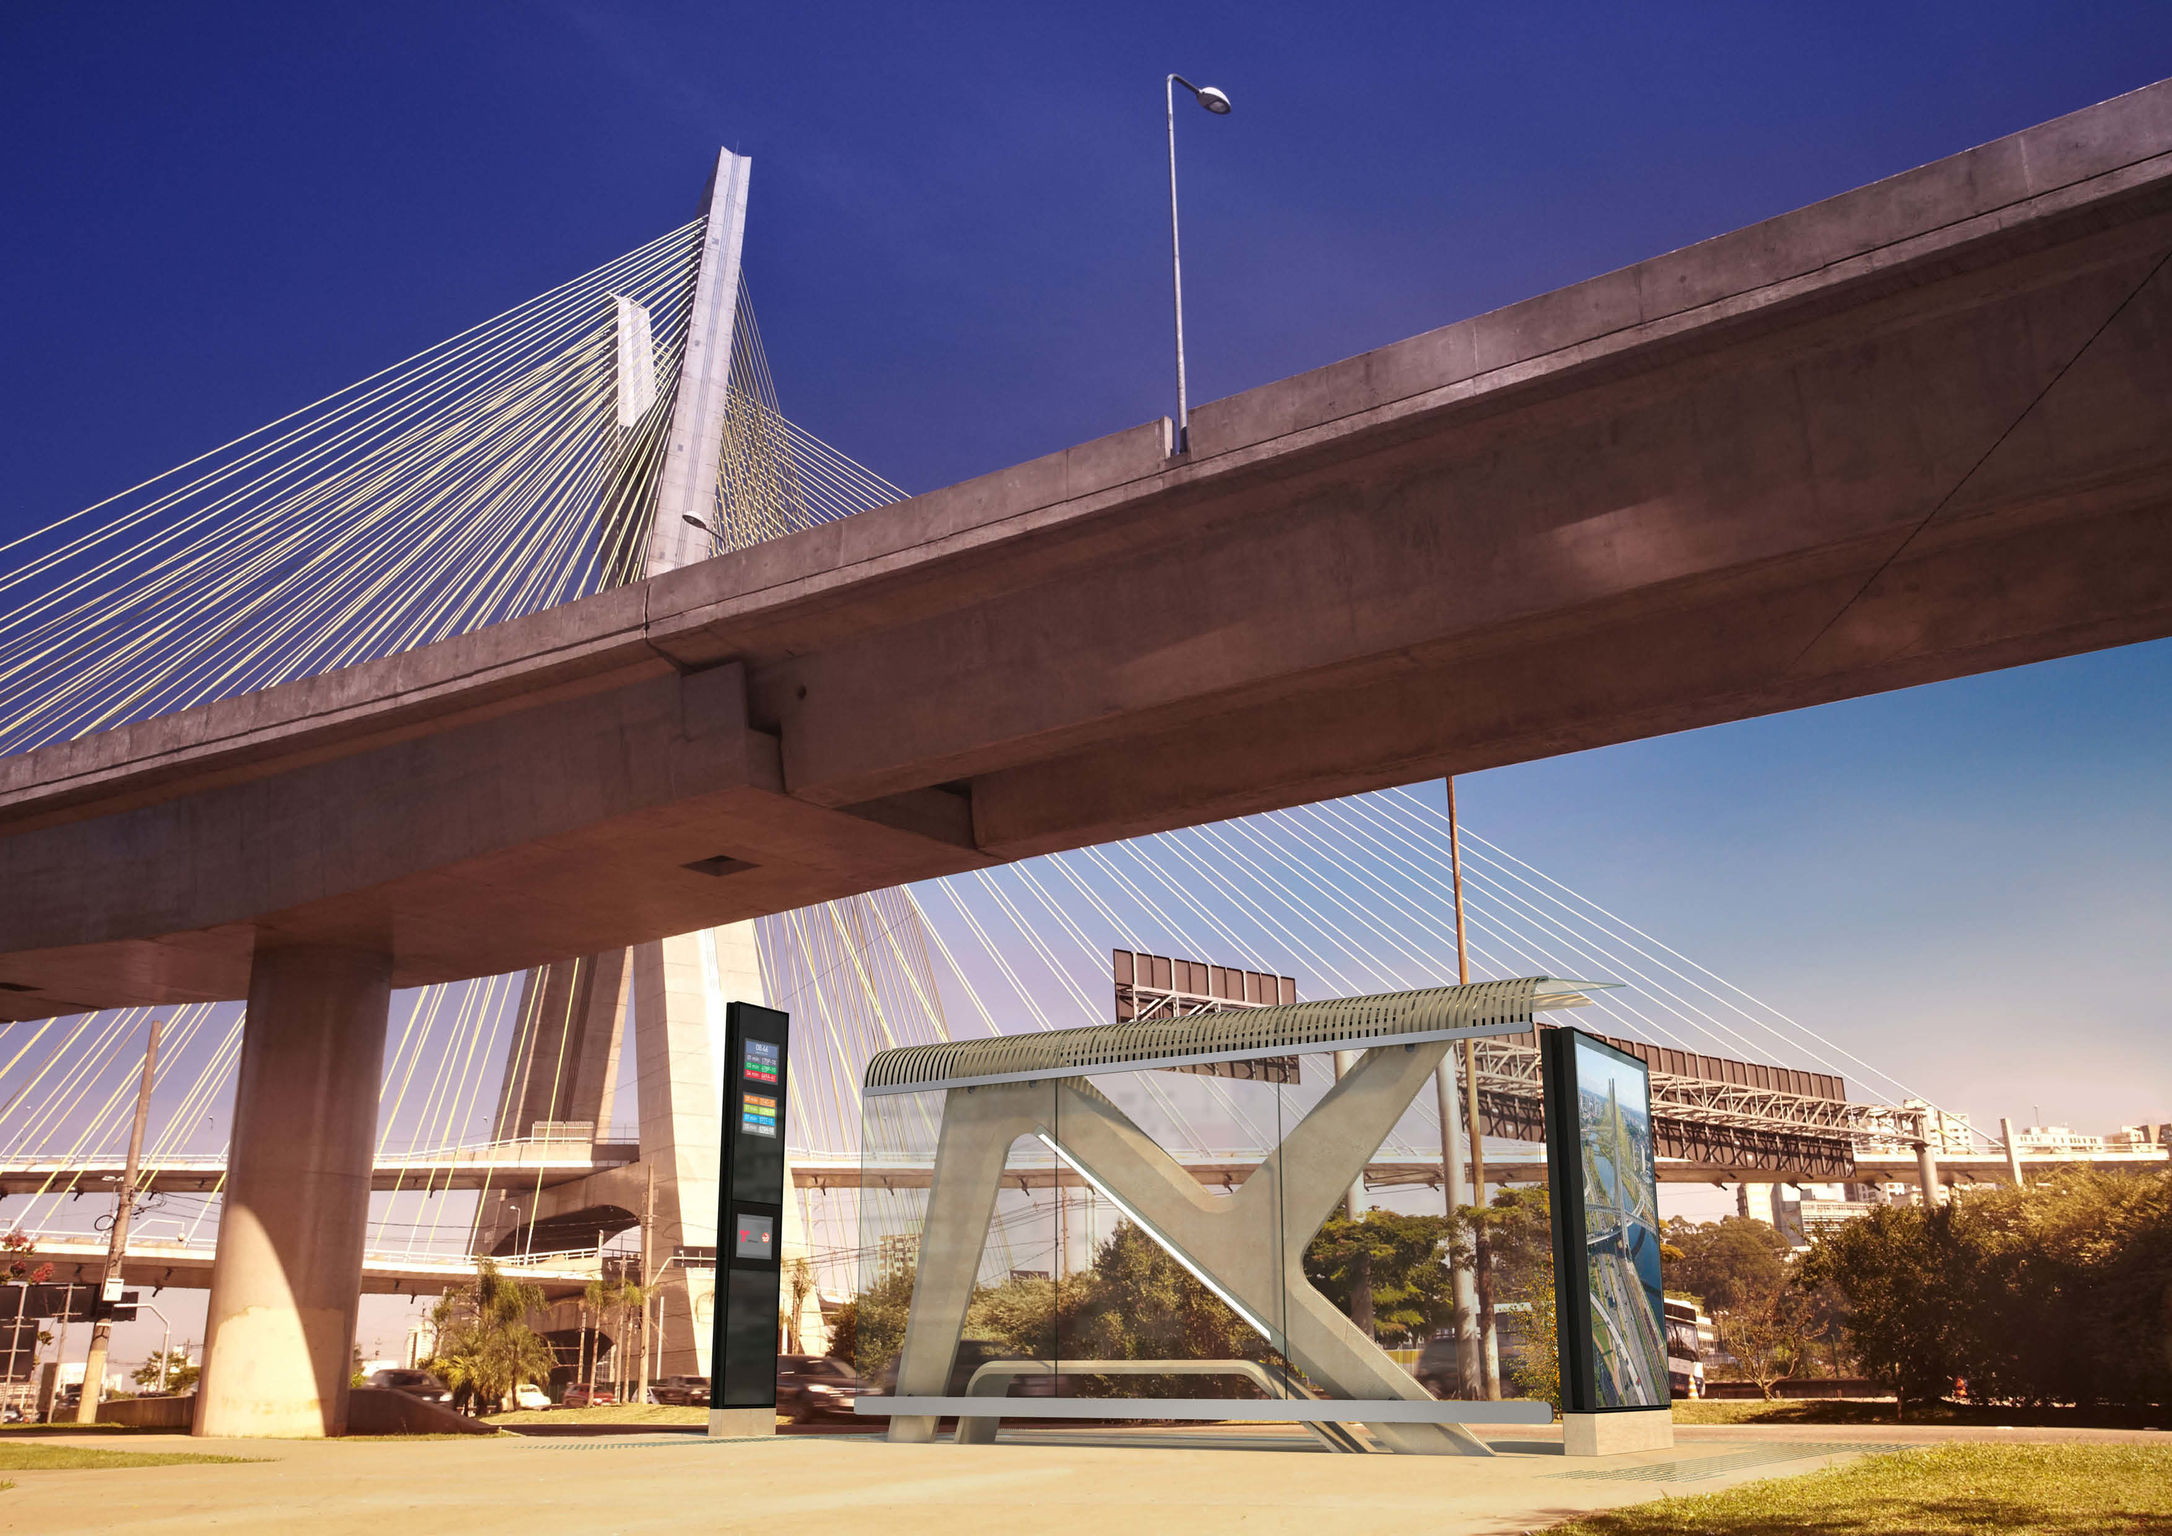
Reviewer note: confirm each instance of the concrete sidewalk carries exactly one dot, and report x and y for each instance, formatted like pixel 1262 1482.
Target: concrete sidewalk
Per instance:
pixel 1207 1481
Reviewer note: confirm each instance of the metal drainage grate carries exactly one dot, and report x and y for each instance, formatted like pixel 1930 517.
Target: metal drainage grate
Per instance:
pixel 552 1442
pixel 1699 1468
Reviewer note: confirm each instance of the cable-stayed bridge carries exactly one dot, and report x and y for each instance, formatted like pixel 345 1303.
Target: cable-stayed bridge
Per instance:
pixel 559 639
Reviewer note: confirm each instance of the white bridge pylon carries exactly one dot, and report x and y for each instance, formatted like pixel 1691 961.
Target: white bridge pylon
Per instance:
pixel 562 1062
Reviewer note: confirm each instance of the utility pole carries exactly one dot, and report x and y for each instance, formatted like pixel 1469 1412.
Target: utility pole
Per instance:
pixel 648 1265
pixel 1489 1346
pixel 60 1350
pixel 22 1302
pixel 165 1342
pixel 1453 1178
pixel 109 1290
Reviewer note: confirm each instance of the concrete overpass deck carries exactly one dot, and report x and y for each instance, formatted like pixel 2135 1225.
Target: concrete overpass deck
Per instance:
pixel 1918 430
pixel 510 1165
pixel 1228 1169
pixel 155 1265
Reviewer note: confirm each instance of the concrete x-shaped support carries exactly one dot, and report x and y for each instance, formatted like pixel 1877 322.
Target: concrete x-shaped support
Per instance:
pixel 1250 1244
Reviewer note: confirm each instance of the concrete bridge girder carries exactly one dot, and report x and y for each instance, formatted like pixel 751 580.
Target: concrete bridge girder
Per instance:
pixel 1919 430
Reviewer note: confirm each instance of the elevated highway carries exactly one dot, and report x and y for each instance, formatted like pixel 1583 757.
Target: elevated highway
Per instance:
pixel 156 1265
pixel 505 1165
pixel 1919 430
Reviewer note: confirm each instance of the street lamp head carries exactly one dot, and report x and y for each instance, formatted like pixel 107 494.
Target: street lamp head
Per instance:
pixel 1213 100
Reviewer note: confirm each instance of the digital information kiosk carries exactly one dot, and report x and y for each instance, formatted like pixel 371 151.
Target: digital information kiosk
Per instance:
pixel 750 1222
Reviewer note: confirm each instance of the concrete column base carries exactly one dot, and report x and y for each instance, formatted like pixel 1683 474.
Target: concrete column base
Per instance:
pixel 738 1423
pixel 1617 1433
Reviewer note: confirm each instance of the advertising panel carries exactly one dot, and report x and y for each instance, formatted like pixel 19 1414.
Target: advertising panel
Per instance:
pixel 1605 1196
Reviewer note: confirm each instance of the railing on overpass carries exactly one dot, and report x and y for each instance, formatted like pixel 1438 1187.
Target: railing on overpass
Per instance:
pixel 556 1159
pixel 189 1263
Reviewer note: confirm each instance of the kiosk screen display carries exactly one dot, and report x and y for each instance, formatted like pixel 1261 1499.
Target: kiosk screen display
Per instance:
pixel 756 1237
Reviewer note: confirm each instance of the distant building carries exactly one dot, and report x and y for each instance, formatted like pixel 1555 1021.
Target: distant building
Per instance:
pixel 1802 1213
pixel 2058 1141
pixel 2140 1138
pixel 1821 1218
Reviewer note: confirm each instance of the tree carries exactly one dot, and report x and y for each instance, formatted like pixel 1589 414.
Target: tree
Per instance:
pixel 593 1302
pixel 628 1301
pixel 1520 1225
pixel 1820 1311
pixel 2057 1293
pixel 179 1377
pixel 845 1332
pixel 1388 1271
pixel 876 1324
pixel 1766 1339
pixel 485 1347
pixel 16 1257
pixel 1899 1268
pixel 799 1283
pixel 1136 1302
pixel 1727 1265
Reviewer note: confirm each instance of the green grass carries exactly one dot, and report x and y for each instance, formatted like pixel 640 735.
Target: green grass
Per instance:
pixel 631 1413
pixel 1828 1410
pixel 69 1458
pixel 1953 1490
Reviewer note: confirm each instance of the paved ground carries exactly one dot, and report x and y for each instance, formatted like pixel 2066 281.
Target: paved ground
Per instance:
pixel 1127 1482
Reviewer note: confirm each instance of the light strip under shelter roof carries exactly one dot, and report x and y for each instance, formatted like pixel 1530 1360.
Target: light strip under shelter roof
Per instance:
pixel 1332 1024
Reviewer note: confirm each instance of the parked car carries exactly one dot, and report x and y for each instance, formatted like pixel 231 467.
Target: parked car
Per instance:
pixel 581 1395
pixel 414 1383
pixel 971 1355
pixel 1440 1369
pixel 682 1391
pixel 529 1395
pixel 813 1387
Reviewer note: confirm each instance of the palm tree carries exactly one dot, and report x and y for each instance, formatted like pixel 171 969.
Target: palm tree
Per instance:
pixel 485 1347
pixel 594 1301
pixel 799 1280
pixel 630 1300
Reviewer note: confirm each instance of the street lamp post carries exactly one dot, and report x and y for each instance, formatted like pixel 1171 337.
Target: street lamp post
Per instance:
pixel 1218 103
pixel 165 1340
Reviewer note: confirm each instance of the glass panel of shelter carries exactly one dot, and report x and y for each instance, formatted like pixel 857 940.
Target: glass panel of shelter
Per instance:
pixel 1149 1280
pixel 1086 1256
pixel 973 1224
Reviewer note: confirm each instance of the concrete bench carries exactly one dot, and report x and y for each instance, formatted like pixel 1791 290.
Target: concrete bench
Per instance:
pixel 1325 1417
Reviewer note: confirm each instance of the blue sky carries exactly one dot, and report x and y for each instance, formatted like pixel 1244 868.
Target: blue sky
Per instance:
pixel 957 252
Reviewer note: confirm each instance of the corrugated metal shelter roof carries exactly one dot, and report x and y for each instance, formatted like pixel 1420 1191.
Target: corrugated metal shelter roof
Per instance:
pixel 1332 1024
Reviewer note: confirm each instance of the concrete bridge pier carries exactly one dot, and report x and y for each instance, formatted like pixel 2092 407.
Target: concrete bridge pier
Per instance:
pixel 288 1277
